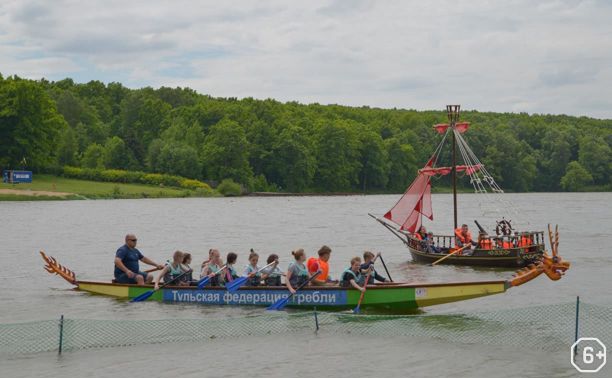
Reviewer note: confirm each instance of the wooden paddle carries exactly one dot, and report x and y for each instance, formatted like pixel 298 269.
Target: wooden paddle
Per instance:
pixel 357 309
pixel 152 270
pixel 281 303
pixel 146 295
pixel 450 254
pixel 206 280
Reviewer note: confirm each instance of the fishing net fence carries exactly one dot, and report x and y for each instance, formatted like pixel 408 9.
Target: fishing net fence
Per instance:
pixel 548 327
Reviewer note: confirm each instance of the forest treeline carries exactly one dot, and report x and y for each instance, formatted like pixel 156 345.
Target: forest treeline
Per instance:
pixel 269 145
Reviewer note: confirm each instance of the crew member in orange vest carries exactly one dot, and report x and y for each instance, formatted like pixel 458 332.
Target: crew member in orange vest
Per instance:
pixel 321 263
pixel 484 242
pixel 463 236
pixel 421 234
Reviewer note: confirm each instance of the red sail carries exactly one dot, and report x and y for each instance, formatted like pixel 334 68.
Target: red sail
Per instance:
pixel 459 126
pixel 430 171
pixel 415 202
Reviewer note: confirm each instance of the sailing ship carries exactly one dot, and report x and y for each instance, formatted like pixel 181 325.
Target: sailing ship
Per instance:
pixel 506 248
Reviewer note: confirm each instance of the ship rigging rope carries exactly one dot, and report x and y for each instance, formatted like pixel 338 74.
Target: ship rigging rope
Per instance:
pixel 472 160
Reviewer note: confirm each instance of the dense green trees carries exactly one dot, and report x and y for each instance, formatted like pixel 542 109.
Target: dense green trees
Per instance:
pixel 30 125
pixel 265 144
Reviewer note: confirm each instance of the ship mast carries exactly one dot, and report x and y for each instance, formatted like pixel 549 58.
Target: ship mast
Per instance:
pixel 453 116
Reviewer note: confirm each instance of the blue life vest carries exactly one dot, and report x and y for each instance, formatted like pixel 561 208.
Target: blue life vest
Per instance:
pixel 299 274
pixel 256 279
pixel 344 282
pixel 173 272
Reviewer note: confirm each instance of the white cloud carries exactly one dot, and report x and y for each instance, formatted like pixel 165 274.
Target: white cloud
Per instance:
pixel 544 57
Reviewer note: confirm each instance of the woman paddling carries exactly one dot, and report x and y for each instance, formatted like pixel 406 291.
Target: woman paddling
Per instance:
pixel 213 268
pixel 173 270
pixel 297 273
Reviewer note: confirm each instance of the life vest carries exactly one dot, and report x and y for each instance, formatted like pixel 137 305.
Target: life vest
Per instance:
pixel 215 280
pixel 299 274
pixel 346 283
pixel 316 264
pixel 486 244
pixel 173 272
pixel 418 236
pixel 525 241
pixel 256 279
pixel 463 239
pixel 273 276
pixel 230 273
pixel 506 244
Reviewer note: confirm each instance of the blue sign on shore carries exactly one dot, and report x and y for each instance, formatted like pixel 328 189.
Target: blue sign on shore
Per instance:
pixel 16 177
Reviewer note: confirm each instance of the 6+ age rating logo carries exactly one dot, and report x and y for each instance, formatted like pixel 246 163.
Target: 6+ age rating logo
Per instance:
pixel 588 355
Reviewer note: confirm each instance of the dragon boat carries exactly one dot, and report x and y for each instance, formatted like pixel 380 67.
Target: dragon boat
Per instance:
pixel 379 298
pixel 506 247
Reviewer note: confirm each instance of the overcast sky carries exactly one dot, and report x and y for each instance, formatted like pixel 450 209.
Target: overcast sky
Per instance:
pixel 505 56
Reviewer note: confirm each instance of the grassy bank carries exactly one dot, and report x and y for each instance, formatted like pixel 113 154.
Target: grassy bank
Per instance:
pixel 59 188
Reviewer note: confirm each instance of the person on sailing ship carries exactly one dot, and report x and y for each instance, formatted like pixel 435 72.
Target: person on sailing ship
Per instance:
pixel 430 244
pixel 126 263
pixel 352 276
pixel 463 236
pixel 230 271
pixel 297 273
pixel 321 263
pixel 484 242
pixel 368 263
pixel 173 270
pixel 421 234
pixel 213 268
pixel 272 274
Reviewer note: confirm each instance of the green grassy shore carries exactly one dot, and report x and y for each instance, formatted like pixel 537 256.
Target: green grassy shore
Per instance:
pixel 61 188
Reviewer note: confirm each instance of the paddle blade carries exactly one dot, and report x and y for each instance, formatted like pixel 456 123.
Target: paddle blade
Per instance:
pixel 235 284
pixel 143 297
pixel 279 304
pixel 356 310
pixel 203 282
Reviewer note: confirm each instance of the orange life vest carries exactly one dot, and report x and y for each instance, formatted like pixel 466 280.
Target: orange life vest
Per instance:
pixel 418 236
pixel 486 244
pixel 314 264
pixel 525 241
pixel 463 239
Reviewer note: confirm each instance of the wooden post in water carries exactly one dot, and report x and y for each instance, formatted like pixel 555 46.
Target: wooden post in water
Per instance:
pixel 577 317
pixel 61 334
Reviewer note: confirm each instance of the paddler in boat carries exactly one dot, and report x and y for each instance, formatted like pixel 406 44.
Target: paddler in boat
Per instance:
pixel 352 276
pixel 127 269
pixel 321 263
pixel 463 237
pixel 230 271
pixel 297 273
pixel 213 268
pixel 252 270
pixel 186 268
pixel 173 270
pixel 272 274
pixel 368 263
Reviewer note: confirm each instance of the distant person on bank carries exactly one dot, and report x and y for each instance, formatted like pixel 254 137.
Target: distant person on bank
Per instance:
pixel 127 269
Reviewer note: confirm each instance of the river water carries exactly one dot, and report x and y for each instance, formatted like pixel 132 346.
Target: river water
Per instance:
pixel 83 235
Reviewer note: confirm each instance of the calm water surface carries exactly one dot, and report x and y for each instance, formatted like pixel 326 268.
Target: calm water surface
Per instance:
pixel 83 235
